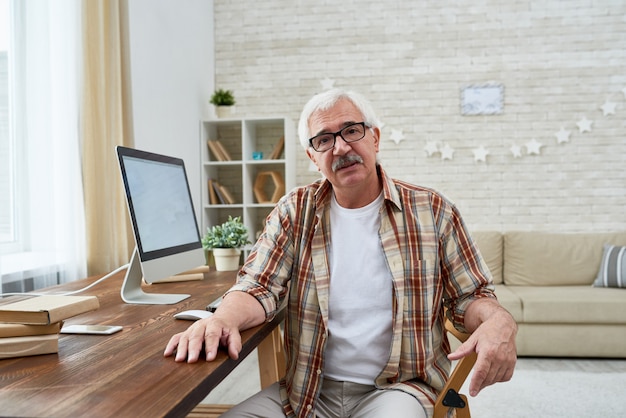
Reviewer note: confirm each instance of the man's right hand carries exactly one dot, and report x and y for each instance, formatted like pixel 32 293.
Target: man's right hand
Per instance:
pixel 208 332
pixel 237 312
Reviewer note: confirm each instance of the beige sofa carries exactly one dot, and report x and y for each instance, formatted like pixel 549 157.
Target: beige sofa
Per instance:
pixel 545 281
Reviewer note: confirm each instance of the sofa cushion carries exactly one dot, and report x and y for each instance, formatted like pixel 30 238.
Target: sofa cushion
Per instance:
pixel 571 340
pixel 510 301
pixel 571 304
pixel 490 244
pixel 553 259
pixel 612 271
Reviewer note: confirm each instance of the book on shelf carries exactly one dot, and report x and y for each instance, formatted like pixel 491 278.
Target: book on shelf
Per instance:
pixel 215 151
pixel 222 194
pixel 23 330
pixel 223 151
pixel 217 188
pixel 31 345
pixel 218 150
pixel 47 309
pixel 228 197
pixel 278 149
pixel 213 199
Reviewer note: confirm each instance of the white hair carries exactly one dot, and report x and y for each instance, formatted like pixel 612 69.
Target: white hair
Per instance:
pixel 326 100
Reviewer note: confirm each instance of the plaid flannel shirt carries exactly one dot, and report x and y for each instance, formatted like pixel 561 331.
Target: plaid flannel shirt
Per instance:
pixel 430 255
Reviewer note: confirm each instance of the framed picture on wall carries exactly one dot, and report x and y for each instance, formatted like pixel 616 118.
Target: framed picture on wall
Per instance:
pixel 483 99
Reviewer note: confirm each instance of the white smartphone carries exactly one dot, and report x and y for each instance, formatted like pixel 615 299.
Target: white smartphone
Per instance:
pixel 91 329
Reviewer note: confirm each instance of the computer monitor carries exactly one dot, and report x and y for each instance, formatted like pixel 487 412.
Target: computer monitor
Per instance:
pixel 164 223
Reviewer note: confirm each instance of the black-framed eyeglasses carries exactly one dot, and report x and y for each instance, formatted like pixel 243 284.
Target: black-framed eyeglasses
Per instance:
pixel 351 133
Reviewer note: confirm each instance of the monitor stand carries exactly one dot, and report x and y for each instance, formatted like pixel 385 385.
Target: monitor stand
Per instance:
pixel 133 293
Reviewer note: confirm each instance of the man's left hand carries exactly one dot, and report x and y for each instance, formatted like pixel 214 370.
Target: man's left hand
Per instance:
pixel 493 339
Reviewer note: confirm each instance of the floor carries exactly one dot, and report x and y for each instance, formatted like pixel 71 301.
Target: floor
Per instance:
pixel 554 387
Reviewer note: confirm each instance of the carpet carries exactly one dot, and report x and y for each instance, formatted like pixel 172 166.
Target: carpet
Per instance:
pixel 540 388
pixel 553 394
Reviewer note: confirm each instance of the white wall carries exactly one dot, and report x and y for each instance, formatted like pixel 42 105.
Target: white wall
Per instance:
pixel 559 61
pixel 172 72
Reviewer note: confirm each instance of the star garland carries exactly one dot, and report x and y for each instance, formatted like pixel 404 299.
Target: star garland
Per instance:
pixel 533 147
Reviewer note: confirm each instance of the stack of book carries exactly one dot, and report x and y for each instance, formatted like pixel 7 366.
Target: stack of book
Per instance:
pixel 31 326
pixel 218 150
pixel 219 194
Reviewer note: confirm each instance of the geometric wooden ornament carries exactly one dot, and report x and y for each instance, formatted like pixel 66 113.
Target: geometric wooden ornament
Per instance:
pixel 261 182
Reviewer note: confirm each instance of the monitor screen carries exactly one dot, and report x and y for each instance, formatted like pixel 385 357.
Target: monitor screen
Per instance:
pixel 161 212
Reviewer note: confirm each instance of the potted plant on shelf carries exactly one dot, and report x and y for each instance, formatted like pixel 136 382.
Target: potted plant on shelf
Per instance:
pixel 226 241
pixel 223 100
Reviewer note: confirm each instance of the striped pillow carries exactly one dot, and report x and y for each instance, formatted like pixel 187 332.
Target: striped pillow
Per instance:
pixel 613 267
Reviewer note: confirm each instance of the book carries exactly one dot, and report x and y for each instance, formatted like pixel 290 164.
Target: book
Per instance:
pixel 278 149
pixel 229 199
pixel 213 199
pixel 223 151
pixel 29 346
pixel 218 150
pixel 47 309
pixel 22 330
pixel 215 150
pixel 199 273
pixel 218 192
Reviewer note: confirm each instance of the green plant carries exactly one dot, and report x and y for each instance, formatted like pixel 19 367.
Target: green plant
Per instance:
pixel 222 97
pixel 231 234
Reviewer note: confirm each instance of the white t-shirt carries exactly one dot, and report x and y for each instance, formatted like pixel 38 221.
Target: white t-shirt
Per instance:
pixel 360 304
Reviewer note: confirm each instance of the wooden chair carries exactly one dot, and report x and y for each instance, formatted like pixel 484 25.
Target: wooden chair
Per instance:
pixel 272 365
pixel 450 398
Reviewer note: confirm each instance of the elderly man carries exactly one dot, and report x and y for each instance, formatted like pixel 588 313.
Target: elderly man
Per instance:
pixel 369 266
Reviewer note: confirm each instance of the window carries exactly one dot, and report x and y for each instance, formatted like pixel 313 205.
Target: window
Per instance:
pixel 41 209
pixel 8 221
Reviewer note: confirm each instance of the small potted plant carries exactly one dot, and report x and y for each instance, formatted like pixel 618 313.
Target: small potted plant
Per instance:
pixel 226 241
pixel 223 100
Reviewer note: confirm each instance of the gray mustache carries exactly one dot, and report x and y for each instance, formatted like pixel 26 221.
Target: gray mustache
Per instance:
pixel 346 160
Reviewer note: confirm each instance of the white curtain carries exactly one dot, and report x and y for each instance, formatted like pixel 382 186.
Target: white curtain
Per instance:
pixel 47 80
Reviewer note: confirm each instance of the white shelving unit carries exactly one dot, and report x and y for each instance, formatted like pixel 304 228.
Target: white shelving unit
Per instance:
pixel 241 138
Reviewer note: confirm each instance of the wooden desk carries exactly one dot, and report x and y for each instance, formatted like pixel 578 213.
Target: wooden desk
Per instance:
pixel 124 374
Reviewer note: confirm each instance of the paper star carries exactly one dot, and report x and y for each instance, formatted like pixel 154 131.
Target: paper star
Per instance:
pixel 431 148
pixel 562 136
pixel 327 83
pixel 480 154
pixel 447 152
pixel 396 136
pixel 516 150
pixel 608 108
pixel 584 125
pixel 533 147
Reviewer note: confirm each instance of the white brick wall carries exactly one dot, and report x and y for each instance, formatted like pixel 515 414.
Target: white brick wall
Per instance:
pixel 558 60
